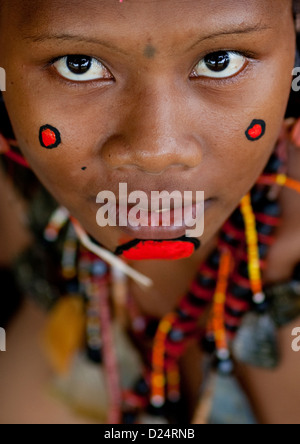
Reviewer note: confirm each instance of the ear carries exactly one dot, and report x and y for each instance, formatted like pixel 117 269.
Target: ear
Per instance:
pixel 4 145
pixel 295 134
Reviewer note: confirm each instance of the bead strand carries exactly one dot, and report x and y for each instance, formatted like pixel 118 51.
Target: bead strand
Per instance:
pixel 218 310
pixel 280 179
pixel 252 249
pixel 158 380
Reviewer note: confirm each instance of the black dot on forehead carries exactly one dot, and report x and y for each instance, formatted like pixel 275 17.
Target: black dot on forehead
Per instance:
pixel 84 168
pixel 149 51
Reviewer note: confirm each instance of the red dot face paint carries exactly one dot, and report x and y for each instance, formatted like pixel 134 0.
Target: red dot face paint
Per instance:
pixel 49 137
pixel 159 249
pixel 256 130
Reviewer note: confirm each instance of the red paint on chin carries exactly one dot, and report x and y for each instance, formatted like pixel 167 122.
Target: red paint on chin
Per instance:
pixel 49 137
pixel 151 249
pixel 255 132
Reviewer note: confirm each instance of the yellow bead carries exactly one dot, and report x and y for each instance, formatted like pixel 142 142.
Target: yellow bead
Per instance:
pixel 158 380
pixel 219 298
pixel 173 378
pixel 281 179
pixel 164 326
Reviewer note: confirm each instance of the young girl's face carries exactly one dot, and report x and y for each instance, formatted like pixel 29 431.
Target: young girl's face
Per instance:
pixel 158 95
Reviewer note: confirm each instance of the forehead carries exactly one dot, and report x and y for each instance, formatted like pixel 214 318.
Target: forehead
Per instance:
pixel 127 27
pixel 29 14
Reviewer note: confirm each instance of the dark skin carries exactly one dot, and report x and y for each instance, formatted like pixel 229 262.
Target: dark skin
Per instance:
pixel 153 120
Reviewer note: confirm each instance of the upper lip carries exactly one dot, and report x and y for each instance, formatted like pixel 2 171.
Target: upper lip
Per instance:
pixel 173 205
pixel 176 202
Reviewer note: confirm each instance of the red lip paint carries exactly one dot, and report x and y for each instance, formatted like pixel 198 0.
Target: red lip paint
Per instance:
pixel 49 137
pixel 173 249
pixel 256 130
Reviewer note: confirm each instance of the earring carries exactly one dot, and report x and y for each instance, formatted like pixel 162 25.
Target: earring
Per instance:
pixel 295 134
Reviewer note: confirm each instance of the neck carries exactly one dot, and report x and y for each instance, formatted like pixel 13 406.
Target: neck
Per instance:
pixel 171 280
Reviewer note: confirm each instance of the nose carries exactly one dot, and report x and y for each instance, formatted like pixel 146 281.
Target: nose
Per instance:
pixel 154 134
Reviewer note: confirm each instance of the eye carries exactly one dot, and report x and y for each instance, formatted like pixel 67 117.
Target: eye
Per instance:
pixel 221 64
pixel 81 68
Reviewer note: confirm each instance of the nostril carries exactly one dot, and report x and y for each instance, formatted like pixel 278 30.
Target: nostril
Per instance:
pixel 152 155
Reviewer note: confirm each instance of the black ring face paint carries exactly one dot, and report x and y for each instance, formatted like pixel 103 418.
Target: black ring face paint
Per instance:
pixel 170 249
pixel 256 130
pixel 49 137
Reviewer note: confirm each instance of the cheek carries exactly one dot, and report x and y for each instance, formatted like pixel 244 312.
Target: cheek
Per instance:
pixel 239 152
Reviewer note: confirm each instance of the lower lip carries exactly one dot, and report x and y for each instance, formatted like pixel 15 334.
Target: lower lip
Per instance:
pixel 162 232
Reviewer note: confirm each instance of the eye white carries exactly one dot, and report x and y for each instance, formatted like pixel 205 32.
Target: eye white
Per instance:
pixel 93 69
pixel 222 64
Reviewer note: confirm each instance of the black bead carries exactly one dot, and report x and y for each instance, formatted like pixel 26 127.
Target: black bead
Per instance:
pixel 261 308
pixel 273 164
pixel 258 196
pixel 241 292
pixel 263 250
pixel 176 335
pixel 267 230
pixel 94 355
pixel 214 260
pixel 231 328
pixel 243 269
pixel 234 313
pixel 272 209
pixel 208 344
pixel 196 301
pixel 151 328
pixel 237 220
pixel 205 281
pixel 72 287
pixel 184 316
pixel 229 239
pixel 141 387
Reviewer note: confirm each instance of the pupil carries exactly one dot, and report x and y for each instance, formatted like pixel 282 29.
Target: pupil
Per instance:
pixel 218 61
pixel 79 64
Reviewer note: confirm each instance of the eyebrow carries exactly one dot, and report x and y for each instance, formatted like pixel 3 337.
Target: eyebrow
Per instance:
pixel 258 27
pixel 41 38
